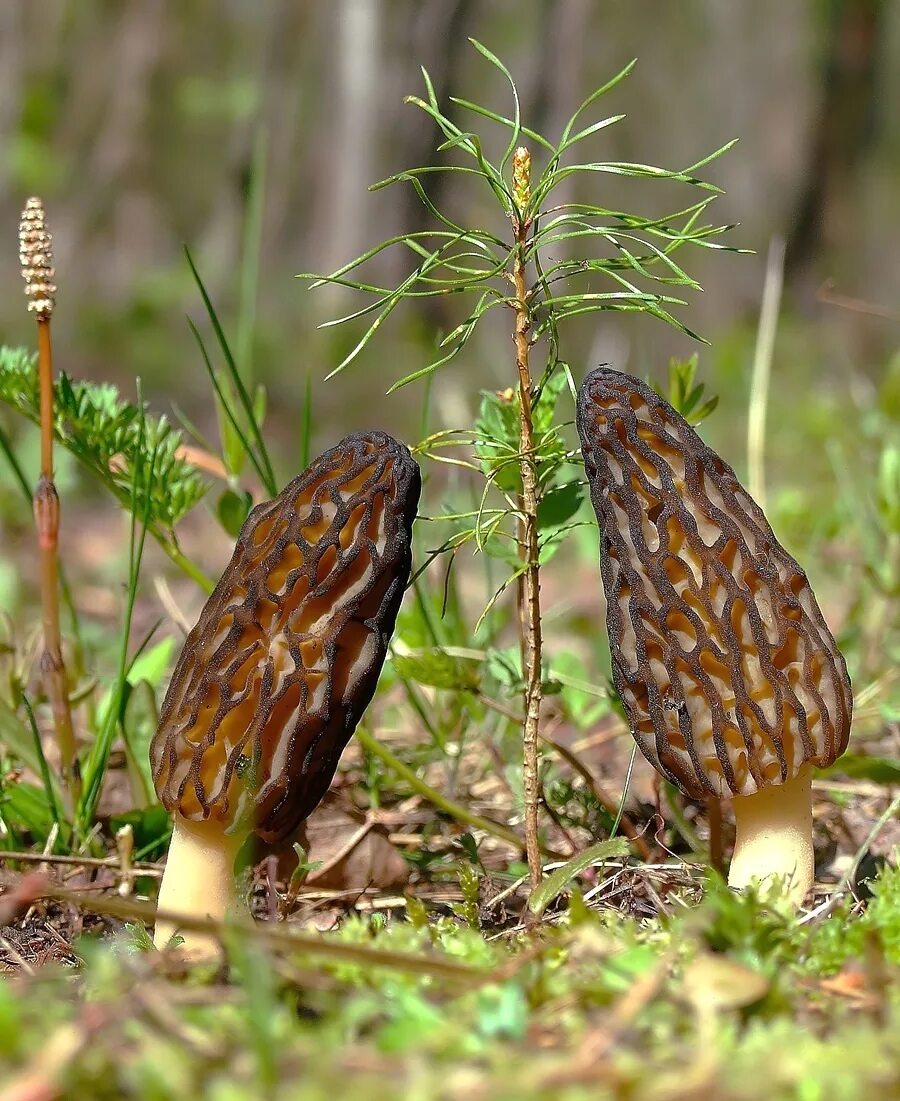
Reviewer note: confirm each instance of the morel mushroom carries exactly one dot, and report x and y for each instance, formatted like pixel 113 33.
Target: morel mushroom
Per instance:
pixel 731 680
pixel 280 666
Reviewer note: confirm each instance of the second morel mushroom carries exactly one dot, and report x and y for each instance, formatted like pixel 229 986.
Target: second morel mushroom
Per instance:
pixel 282 663
pixel 731 680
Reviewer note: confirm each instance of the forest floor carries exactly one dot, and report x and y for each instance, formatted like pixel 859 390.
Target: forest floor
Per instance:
pixel 643 979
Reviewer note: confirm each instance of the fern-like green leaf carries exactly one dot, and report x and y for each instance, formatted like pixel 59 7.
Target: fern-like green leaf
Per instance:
pixel 104 433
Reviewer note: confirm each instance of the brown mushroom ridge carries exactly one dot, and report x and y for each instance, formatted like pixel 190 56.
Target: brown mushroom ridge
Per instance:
pixel 727 670
pixel 287 651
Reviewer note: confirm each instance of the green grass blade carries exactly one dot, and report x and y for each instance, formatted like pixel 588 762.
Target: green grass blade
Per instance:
pixel 517 121
pixel 98 759
pixel 477 109
pixel 250 255
pixel 306 422
pixel 595 95
pixel 14 465
pixel 265 464
pixel 43 769
pixel 225 406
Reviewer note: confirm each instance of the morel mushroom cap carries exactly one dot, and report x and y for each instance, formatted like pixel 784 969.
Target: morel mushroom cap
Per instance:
pixel 730 677
pixel 287 651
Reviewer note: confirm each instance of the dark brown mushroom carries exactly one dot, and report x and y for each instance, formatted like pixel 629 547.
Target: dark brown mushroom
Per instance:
pixel 730 677
pixel 281 665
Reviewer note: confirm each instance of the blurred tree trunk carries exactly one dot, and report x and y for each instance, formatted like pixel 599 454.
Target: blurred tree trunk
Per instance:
pixel 359 62
pixel 11 80
pixel 557 83
pixel 292 37
pixel 845 128
pixel 120 153
pixel 437 37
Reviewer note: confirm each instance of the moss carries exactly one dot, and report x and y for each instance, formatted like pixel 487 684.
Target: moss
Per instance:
pixel 605 1008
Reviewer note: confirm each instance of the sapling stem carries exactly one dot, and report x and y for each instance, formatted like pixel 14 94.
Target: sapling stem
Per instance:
pixel 530 610
pixel 36 260
pixel 774 837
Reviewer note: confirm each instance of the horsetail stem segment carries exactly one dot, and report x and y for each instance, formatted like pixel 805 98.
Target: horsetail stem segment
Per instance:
pixel 36 258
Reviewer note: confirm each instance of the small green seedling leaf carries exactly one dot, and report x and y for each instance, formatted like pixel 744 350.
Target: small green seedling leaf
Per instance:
pixel 556 883
pixel 232 510
pixel 437 669
pixel 858 766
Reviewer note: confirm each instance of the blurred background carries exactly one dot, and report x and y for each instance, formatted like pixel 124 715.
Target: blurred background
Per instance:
pixel 250 132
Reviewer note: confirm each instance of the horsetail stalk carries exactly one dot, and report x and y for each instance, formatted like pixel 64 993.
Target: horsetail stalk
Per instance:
pixel 36 258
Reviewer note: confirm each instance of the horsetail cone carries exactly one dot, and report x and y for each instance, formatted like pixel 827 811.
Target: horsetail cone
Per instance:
pixel 281 665
pixel 731 680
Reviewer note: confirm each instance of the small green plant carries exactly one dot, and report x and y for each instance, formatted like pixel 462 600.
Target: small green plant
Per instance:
pixel 114 440
pixel 522 263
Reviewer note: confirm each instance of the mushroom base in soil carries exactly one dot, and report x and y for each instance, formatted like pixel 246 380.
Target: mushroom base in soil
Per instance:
pixel 198 881
pixel 281 665
pixel 773 840
pixel 726 668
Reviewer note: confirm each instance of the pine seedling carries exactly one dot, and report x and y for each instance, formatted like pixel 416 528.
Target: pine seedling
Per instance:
pixel 36 258
pixel 523 263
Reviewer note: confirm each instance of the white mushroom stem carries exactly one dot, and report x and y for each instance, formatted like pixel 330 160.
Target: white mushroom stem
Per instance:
pixel 774 837
pixel 198 882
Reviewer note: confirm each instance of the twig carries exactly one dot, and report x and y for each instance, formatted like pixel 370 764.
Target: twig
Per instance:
pixel 170 605
pixel 16 956
pixel 36 259
pixel 79 861
pixel 603 798
pixel 349 845
pixel 41 1079
pixel 828 295
pixel 125 850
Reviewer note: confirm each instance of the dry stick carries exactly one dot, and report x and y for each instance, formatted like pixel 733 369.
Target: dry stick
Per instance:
pixel 603 797
pixel 830 297
pixel 528 545
pixel 36 259
pixel 143 868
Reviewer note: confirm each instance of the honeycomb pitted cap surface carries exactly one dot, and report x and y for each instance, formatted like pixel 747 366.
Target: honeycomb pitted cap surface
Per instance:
pixel 729 675
pixel 285 656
